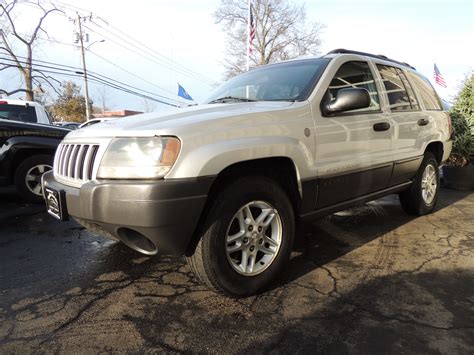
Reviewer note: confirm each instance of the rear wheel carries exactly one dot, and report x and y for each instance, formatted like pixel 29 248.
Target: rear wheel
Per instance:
pixel 247 237
pixel 422 196
pixel 28 177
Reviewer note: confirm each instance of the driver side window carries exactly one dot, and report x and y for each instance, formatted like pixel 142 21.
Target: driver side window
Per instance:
pixel 355 75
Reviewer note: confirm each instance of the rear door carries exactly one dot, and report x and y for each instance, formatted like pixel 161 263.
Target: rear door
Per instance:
pixel 353 155
pixel 409 121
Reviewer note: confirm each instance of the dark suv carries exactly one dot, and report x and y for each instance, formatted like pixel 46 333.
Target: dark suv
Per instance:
pixel 27 146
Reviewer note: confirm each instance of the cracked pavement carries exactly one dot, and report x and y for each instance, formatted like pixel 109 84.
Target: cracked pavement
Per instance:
pixel 366 280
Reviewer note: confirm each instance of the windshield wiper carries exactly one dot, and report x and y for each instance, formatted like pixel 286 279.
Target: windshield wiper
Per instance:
pixel 230 98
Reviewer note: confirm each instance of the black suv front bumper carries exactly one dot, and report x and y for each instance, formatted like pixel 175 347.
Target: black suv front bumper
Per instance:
pixel 148 215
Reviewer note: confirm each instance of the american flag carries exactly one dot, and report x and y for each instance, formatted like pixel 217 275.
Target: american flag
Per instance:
pixel 252 30
pixel 438 77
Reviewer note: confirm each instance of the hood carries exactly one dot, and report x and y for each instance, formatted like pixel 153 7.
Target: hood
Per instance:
pixel 172 120
pixel 34 128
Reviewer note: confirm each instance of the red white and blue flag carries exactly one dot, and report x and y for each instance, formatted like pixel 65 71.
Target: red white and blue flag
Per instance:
pixel 438 78
pixel 252 29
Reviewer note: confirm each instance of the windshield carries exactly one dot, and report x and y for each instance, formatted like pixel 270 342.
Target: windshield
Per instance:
pixel 289 81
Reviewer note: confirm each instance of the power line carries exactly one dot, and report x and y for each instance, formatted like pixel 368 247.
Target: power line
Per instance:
pixel 156 56
pixel 106 60
pixel 75 70
pixel 129 72
pixel 98 80
pixel 129 47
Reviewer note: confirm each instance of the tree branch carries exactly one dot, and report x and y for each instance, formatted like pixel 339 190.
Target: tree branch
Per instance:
pixel 9 93
pixel 12 25
pixel 45 78
pixel 6 66
pixel 38 27
pixel 7 48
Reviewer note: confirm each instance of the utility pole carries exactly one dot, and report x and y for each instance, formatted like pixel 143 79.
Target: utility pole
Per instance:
pixel 86 88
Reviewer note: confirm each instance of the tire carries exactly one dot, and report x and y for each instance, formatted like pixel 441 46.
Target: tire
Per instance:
pixel 223 270
pixel 28 174
pixel 421 197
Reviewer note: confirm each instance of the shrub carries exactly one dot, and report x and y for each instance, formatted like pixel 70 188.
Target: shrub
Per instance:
pixel 462 117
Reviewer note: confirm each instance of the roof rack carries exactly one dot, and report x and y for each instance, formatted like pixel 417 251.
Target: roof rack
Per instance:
pixel 379 56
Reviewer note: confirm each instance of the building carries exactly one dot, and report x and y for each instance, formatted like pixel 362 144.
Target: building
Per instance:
pixel 116 114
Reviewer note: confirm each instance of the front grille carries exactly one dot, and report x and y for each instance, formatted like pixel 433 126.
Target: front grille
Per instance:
pixel 75 162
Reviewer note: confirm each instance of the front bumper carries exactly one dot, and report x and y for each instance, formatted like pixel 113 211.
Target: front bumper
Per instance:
pixel 165 212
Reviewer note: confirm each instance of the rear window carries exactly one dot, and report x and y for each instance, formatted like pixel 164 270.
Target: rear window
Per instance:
pixel 426 91
pixel 18 113
pixel 399 92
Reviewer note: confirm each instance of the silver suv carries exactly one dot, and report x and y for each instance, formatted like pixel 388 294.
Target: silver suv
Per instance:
pixel 224 183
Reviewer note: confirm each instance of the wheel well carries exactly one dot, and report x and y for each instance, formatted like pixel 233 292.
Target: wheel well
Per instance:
pixel 22 154
pixel 437 149
pixel 280 169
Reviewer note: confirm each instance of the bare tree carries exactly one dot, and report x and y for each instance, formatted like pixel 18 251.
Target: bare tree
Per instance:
pixel 282 32
pixel 10 38
pixel 104 98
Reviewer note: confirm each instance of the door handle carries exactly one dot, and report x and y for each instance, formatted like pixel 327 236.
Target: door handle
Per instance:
pixel 423 121
pixel 381 126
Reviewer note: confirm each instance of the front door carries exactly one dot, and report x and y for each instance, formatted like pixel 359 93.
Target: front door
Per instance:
pixel 353 155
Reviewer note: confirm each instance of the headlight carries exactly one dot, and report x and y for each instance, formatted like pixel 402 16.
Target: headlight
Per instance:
pixel 139 158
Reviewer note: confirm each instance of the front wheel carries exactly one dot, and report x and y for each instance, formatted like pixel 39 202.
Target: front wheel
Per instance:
pixel 422 196
pixel 28 177
pixel 247 237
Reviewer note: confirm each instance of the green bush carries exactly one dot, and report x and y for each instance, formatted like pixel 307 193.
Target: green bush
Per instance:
pixel 462 117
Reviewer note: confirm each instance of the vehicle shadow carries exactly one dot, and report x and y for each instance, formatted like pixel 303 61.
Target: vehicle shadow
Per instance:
pixel 406 312
pixel 322 241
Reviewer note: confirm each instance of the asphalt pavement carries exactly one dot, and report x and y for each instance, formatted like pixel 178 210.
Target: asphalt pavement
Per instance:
pixel 367 280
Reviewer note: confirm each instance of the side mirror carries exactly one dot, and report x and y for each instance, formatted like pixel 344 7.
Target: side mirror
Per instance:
pixel 346 100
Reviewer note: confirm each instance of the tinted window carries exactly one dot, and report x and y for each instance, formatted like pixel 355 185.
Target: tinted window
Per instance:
pixel 279 82
pixel 355 75
pixel 426 91
pixel 409 89
pixel 18 113
pixel 399 92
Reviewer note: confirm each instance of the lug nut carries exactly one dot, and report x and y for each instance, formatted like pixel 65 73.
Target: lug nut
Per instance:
pixel 246 240
pixel 250 228
pixel 252 248
pixel 260 241
pixel 260 229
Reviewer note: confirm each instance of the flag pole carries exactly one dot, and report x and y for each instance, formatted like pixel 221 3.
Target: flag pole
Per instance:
pixel 248 36
pixel 248 47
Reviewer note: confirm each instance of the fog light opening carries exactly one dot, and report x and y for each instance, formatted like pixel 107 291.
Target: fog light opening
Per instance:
pixel 137 241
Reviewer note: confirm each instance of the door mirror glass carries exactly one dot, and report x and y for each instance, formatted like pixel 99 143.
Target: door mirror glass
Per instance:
pixel 346 100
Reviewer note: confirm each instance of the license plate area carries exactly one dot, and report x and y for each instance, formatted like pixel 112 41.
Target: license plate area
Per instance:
pixel 56 203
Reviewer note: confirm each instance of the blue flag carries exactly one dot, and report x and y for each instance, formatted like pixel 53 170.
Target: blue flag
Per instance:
pixel 182 93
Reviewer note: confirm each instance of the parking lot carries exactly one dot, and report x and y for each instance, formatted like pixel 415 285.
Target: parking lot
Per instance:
pixel 371 279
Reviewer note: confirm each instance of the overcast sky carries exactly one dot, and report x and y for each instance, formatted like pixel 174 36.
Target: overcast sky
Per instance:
pixel 418 32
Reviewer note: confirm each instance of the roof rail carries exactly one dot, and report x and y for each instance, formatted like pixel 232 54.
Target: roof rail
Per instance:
pixel 379 56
